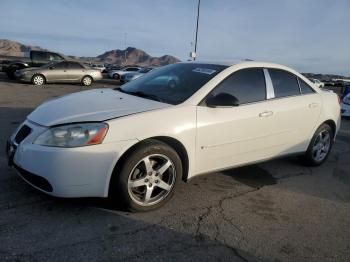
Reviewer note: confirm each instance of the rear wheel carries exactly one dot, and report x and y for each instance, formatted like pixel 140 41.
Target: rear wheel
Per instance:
pixel 38 80
pixel 116 76
pixel 87 80
pixel 320 146
pixel 148 177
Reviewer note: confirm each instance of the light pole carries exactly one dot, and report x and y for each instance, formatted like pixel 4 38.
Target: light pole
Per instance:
pixel 195 43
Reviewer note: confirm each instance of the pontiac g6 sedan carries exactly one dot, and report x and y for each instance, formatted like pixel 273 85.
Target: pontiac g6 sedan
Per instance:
pixel 134 144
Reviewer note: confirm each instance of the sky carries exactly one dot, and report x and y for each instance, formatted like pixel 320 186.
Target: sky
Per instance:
pixel 308 35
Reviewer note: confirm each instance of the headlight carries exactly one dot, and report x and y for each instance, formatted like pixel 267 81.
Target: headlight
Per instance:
pixel 74 135
pixel 346 99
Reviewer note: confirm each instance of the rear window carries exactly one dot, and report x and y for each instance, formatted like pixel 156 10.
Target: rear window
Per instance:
pixel 284 83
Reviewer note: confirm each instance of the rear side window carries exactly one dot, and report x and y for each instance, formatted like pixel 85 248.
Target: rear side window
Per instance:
pixel 247 85
pixel 62 65
pixel 284 83
pixel 74 65
pixel 305 88
pixel 39 56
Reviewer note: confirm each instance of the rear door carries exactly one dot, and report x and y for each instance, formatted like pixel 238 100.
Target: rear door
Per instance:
pixel 75 71
pixel 296 107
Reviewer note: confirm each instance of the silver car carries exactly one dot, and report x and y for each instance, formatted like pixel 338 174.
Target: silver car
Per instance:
pixel 61 72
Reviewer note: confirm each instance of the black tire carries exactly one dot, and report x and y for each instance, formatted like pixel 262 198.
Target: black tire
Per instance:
pixel 38 80
pixel 309 157
pixel 87 81
pixel 116 76
pixel 119 187
pixel 10 72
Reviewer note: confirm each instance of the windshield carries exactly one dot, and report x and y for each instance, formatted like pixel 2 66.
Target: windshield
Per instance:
pixel 172 84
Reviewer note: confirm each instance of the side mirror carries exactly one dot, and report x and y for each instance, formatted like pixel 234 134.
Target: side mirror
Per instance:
pixel 222 100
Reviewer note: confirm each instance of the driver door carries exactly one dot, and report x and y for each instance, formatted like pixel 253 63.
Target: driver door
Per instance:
pixel 230 136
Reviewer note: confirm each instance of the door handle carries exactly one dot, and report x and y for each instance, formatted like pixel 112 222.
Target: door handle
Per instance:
pixel 313 105
pixel 266 114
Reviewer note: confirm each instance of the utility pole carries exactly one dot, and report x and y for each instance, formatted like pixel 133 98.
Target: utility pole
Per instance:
pixel 126 52
pixel 195 43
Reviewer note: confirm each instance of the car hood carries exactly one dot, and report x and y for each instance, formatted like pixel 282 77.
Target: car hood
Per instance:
pixel 91 105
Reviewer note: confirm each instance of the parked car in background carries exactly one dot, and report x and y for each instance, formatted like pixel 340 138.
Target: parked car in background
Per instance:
pixel 102 68
pixel 136 143
pixel 317 82
pixel 66 71
pixel 115 74
pixel 36 59
pixel 328 82
pixel 134 75
pixel 345 108
pixel 113 67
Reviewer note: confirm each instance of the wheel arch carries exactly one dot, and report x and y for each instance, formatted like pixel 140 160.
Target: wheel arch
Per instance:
pixel 332 124
pixel 172 142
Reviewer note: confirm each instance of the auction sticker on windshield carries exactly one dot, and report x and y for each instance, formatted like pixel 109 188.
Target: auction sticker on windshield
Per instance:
pixel 204 71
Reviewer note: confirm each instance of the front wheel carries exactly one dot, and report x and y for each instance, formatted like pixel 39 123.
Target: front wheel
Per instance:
pixel 86 81
pixel 320 146
pixel 38 80
pixel 148 177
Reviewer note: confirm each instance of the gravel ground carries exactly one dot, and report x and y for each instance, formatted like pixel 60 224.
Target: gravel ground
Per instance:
pixel 275 211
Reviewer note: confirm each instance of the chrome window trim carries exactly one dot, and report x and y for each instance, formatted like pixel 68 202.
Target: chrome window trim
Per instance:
pixel 270 92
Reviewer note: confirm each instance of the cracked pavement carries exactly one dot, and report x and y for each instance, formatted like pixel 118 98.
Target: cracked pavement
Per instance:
pixel 275 211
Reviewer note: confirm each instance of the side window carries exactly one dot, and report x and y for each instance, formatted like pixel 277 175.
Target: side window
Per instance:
pixel 74 65
pixel 284 83
pixel 62 65
pixel 305 88
pixel 247 85
pixel 132 69
pixel 39 56
pixel 54 57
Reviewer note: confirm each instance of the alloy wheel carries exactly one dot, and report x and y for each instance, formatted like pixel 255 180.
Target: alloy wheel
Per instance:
pixel 38 80
pixel 151 179
pixel 321 145
pixel 87 81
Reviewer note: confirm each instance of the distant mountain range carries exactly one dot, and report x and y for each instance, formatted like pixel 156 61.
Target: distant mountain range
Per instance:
pixel 12 48
pixel 129 56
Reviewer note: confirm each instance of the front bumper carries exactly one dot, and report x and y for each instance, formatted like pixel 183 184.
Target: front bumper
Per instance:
pixel 70 172
pixel 23 77
pixel 345 110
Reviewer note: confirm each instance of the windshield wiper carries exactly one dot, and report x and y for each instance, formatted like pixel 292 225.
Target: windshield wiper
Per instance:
pixel 140 94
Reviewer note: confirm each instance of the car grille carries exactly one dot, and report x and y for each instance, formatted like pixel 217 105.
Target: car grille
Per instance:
pixel 22 133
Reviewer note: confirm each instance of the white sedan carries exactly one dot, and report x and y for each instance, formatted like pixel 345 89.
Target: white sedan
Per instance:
pixel 134 144
pixel 116 74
